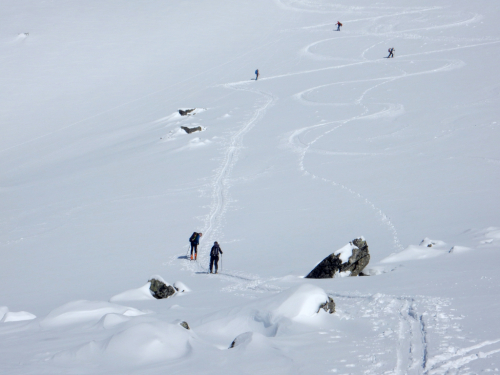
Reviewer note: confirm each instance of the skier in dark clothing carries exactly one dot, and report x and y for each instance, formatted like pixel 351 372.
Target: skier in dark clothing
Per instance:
pixel 214 256
pixel 195 241
pixel 257 74
pixel 339 25
pixel 391 52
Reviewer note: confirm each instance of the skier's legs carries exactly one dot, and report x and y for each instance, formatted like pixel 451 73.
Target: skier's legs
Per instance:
pixel 192 247
pixel 216 261
pixel 212 264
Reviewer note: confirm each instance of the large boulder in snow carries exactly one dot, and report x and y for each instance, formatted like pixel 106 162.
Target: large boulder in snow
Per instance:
pixel 349 260
pixel 160 290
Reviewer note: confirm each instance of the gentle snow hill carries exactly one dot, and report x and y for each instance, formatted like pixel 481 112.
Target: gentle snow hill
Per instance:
pixel 100 187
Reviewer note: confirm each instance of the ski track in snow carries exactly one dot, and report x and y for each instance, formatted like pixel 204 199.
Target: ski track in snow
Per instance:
pixel 412 352
pixel 220 187
pixel 411 338
pixel 407 322
pixel 415 317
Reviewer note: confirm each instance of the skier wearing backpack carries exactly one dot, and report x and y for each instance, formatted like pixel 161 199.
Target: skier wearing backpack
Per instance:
pixel 338 25
pixel 391 52
pixel 214 256
pixel 257 74
pixel 195 241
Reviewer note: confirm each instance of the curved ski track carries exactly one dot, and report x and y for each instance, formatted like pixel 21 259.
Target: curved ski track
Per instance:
pixel 415 316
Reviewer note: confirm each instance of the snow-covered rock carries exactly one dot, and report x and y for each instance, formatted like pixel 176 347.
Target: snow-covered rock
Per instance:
pixel 349 260
pixel 426 249
pixel 160 289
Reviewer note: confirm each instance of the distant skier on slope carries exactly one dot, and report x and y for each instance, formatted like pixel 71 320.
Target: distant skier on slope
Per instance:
pixel 195 241
pixel 339 25
pixel 214 256
pixel 391 52
pixel 257 74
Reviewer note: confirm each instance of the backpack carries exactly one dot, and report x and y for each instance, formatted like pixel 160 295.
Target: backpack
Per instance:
pixel 340 24
pixel 215 251
pixel 193 237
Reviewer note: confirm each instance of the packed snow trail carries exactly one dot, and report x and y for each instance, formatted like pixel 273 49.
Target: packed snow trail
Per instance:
pixel 220 186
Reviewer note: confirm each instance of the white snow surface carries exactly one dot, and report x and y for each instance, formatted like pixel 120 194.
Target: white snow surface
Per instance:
pixel 137 294
pixel 101 187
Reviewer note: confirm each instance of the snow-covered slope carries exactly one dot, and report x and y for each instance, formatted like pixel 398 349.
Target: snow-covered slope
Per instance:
pixel 100 188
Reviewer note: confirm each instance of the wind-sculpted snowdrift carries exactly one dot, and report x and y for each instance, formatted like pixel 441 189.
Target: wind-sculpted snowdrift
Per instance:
pixel 268 316
pixel 11 316
pixel 143 343
pixel 85 313
pixel 136 339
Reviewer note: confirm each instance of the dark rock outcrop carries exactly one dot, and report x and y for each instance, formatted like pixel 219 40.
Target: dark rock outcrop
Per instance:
pixel 332 264
pixel 186 112
pixel 328 306
pixel 160 290
pixel 184 324
pixel 191 130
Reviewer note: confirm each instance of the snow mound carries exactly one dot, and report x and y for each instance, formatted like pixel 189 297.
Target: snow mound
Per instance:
pixel 10 316
pixel 493 233
pixel 112 320
pixel 194 144
pixel 138 294
pixel 426 249
pixel 486 236
pixel 85 312
pixel 299 304
pixel 141 344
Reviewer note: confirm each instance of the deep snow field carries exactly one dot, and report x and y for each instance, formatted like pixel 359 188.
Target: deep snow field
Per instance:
pixel 101 189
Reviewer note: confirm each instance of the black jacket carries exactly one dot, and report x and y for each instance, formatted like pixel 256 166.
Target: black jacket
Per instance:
pixel 215 251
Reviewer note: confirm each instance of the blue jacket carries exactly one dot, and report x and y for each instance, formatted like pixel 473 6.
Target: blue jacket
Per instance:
pixel 197 239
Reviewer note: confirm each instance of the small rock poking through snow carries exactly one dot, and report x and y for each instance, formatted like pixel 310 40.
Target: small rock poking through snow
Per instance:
pixel 156 288
pixel 349 260
pixel 191 130
pixel 186 112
